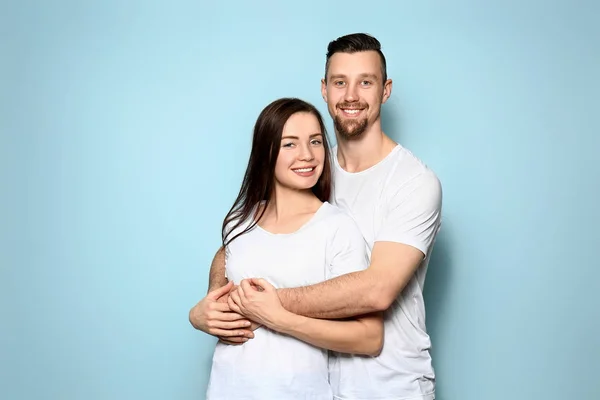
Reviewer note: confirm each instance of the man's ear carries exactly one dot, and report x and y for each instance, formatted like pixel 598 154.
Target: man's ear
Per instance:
pixel 324 89
pixel 387 91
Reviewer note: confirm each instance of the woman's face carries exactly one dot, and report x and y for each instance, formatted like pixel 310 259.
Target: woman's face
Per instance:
pixel 302 154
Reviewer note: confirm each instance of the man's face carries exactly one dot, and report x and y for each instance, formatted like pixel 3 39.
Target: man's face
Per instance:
pixel 354 92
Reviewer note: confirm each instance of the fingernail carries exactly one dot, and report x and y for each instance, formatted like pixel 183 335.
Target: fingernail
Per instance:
pixel 246 323
pixel 244 340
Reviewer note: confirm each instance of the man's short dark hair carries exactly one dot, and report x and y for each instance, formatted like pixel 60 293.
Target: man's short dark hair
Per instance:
pixel 354 43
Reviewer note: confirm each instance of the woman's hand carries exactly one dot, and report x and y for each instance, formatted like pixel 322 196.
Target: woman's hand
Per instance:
pixel 257 300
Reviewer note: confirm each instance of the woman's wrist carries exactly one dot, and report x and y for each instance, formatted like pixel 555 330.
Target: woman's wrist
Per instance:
pixel 282 321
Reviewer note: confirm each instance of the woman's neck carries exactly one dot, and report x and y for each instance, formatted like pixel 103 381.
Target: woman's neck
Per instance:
pixel 287 203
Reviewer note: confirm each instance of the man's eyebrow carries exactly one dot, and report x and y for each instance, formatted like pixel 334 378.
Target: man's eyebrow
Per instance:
pixel 363 75
pixel 368 75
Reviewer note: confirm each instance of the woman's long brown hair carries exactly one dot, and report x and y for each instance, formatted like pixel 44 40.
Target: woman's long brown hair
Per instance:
pixel 259 179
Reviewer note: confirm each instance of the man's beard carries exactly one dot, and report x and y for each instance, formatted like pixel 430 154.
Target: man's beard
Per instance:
pixel 350 129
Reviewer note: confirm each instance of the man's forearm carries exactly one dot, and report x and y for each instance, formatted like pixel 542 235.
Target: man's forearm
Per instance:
pixel 342 297
pixel 216 278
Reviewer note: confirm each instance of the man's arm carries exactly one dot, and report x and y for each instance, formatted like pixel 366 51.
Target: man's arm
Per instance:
pixel 405 237
pixel 213 316
pixel 357 293
pixel 257 299
pixel 216 277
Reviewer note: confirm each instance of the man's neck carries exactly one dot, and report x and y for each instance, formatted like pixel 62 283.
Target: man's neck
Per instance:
pixel 361 154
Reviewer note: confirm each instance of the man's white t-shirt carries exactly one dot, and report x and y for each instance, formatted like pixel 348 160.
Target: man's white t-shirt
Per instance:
pixel 397 200
pixel 272 365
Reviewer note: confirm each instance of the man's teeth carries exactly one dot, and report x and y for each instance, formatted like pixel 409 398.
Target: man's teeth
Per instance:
pixel 351 111
pixel 304 169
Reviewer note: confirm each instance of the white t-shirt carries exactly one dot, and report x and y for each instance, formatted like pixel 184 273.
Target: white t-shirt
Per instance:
pixel 398 200
pixel 272 365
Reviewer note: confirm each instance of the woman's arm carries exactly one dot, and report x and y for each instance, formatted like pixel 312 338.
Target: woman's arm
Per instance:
pixel 257 299
pixel 364 335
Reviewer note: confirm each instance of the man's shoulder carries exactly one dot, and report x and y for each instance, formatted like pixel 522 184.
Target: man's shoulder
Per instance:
pixel 409 171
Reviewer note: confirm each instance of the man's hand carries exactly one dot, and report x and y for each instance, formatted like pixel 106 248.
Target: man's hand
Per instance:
pixel 216 318
pixel 257 300
pixel 236 339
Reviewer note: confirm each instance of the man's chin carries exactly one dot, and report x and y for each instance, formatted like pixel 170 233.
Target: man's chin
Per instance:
pixel 350 131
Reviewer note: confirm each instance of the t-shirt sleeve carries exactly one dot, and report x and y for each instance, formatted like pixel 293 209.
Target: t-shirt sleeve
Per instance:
pixel 230 232
pixel 347 250
pixel 414 212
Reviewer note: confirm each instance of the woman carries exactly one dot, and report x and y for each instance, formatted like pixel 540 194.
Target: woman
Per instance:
pixel 281 228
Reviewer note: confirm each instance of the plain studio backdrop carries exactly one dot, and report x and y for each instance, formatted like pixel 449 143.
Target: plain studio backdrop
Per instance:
pixel 125 128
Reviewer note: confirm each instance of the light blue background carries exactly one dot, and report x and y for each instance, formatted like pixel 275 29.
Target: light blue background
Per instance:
pixel 125 129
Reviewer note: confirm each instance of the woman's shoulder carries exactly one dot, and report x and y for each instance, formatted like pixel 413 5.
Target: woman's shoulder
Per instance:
pixel 238 223
pixel 341 230
pixel 337 218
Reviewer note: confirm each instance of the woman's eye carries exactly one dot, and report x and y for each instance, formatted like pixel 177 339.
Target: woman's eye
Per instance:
pixel 288 145
pixel 316 142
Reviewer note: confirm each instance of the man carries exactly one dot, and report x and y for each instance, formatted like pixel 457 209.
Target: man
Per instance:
pixel 396 201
